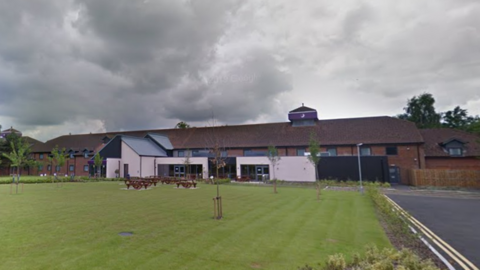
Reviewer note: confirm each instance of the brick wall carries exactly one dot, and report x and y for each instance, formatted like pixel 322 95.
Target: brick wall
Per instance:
pixel 467 163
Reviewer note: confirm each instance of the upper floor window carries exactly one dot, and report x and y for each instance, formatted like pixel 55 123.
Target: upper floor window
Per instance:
pixel 85 154
pixel 365 151
pixel 391 150
pixel 181 153
pixel 332 151
pixel 40 156
pixel 457 151
pixel 71 154
pixel 301 152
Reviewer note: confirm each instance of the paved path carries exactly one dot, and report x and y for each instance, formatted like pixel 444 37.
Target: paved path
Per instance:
pixel 455 219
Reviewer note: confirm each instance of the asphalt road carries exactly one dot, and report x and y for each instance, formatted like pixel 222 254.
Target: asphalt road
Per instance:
pixel 455 220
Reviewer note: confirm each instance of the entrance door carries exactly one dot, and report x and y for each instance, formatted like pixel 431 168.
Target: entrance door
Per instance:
pixel 179 170
pixel 262 172
pixel 394 174
pixel 125 170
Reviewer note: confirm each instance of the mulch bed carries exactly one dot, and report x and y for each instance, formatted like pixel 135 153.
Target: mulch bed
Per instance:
pixel 412 243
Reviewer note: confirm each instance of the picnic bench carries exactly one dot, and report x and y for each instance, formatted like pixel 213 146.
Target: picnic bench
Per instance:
pixel 138 183
pixel 187 184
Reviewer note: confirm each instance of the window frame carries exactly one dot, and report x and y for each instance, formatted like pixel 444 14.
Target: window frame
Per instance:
pixel 391 147
pixel 40 156
pixel 71 168
pixel 453 154
pixel 334 149
pixel 365 148
pixel 86 168
pixel 300 149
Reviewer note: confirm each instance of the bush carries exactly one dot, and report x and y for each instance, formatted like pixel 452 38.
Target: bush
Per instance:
pixel 386 259
pixel 222 181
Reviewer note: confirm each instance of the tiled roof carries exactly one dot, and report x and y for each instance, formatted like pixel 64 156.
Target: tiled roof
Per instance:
pixel 32 141
pixel 368 130
pixel 435 136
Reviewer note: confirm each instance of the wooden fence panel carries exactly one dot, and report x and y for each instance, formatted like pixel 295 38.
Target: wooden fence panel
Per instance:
pixel 445 178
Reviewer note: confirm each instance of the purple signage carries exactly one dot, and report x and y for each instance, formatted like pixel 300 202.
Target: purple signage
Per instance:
pixel 302 116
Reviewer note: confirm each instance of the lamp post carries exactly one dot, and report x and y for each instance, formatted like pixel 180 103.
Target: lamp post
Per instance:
pixel 359 167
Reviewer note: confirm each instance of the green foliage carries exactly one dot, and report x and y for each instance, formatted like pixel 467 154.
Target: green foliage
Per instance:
pixel 222 180
pixel 349 183
pixel 182 125
pixel 421 111
pixel 48 179
pixel 58 158
pixel 375 259
pixel 98 161
pixel 6 147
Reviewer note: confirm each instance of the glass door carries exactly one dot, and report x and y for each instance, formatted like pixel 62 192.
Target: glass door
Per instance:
pixel 179 171
pixel 262 172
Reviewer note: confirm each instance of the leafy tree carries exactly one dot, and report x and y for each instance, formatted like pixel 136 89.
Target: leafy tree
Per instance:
pixel 314 158
pixel 182 125
pixel 421 111
pixel 19 157
pixel 457 118
pixel 57 159
pixel 98 162
pixel 274 159
pixel 6 147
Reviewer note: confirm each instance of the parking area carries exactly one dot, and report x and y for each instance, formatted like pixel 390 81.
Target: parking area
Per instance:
pixel 454 217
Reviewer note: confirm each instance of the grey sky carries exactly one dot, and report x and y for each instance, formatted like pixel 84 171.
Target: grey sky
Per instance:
pixel 94 65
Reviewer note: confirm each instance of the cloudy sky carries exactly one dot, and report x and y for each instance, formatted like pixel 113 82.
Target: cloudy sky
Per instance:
pixel 80 66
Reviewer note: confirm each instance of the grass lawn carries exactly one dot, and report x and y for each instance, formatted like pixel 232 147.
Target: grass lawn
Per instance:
pixel 76 227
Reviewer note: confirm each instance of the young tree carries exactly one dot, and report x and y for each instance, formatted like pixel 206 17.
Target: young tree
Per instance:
pixel 274 158
pixel 57 159
pixel 314 158
pixel 187 163
pixel 19 157
pixel 98 162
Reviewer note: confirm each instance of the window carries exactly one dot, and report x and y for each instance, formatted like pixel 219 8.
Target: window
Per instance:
pixel 71 154
pixel 57 168
pixel 300 152
pixel 49 167
pixel 455 151
pixel 85 154
pixel 181 153
pixel 391 150
pixel 40 167
pixel 71 168
pixel 40 156
pixel 332 151
pixel 85 168
pixel 365 151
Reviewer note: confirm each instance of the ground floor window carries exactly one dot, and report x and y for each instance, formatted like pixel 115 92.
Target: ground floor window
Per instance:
pixel 256 172
pixel 71 168
pixel 85 168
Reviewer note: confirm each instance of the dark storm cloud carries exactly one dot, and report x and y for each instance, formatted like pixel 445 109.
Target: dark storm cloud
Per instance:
pixel 130 64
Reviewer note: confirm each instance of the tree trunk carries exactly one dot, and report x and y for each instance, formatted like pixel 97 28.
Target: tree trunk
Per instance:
pixel 18 178
pixel 275 186
pixel 318 191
